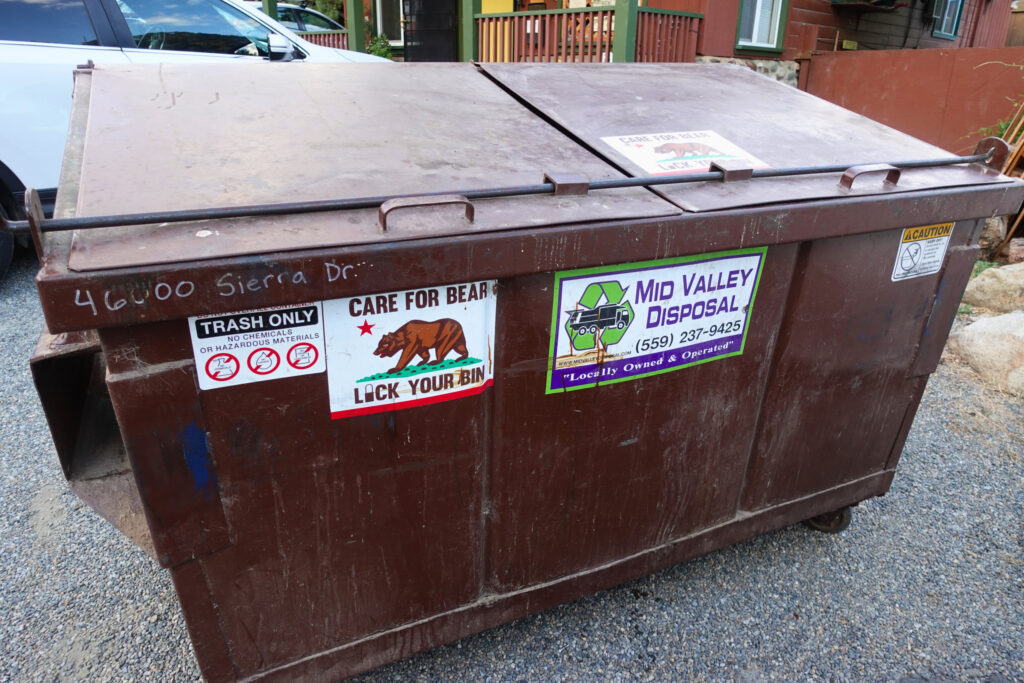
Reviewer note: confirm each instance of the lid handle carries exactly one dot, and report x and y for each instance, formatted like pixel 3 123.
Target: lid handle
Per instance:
pixel 435 200
pixel 892 175
pixel 998 152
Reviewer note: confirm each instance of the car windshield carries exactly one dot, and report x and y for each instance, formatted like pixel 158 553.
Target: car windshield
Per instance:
pixel 194 26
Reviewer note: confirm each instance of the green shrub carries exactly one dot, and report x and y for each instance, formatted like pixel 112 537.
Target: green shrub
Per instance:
pixel 379 46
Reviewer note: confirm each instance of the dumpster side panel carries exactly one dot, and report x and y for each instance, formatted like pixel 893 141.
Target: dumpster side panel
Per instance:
pixel 842 384
pixel 384 647
pixel 166 441
pixel 341 528
pixel 636 464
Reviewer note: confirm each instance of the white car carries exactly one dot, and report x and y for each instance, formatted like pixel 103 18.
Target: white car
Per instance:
pixel 300 17
pixel 42 42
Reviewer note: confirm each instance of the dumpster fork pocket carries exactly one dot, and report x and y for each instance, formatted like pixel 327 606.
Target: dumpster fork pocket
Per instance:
pixel 69 372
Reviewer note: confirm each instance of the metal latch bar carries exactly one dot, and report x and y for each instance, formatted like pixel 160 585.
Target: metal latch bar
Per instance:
pixel 180 216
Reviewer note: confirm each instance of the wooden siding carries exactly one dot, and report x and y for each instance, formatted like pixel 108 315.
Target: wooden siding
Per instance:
pixel 984 23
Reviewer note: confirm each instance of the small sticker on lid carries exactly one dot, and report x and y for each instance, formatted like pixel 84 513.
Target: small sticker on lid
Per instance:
pixel 675 153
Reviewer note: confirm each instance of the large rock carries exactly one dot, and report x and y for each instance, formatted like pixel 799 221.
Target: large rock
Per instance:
pixel 999 289
pixel 994 348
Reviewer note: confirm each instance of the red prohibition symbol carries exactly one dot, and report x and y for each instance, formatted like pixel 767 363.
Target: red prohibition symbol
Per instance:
pixel 222 367
pixel 303 355
pixel 264 361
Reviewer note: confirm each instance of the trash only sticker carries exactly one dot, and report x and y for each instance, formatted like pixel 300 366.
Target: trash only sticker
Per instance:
pixel 257 345
pixel 405 349
pixel 687 152
pixel 922 251
pixel 617 323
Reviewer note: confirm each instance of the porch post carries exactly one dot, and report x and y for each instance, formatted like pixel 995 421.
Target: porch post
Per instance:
pixel 624 40
pixel 467 29
pixel 355 25
pixel 270 8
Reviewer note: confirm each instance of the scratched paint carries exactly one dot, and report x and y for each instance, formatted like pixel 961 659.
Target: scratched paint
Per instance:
pixel 197 457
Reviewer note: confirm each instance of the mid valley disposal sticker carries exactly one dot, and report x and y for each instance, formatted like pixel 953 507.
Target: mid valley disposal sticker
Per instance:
pixel 618 323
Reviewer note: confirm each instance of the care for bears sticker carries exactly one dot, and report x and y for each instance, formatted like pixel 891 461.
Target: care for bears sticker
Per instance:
pixel 401 350
pixel 673 153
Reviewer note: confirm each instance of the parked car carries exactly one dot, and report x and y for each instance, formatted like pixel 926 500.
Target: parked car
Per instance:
pixel 42 42
pixel 301 18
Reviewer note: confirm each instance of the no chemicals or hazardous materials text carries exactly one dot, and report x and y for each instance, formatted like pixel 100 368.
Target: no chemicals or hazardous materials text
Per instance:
pixel 258 345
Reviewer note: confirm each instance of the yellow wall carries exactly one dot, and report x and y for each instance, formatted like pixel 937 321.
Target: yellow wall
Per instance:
pixel 495 6
pixel 499 7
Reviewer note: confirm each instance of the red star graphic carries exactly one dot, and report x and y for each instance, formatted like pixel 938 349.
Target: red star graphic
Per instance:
pixel 365 328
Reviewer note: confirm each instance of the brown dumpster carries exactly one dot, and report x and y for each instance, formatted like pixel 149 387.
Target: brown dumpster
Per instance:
pixel 445 345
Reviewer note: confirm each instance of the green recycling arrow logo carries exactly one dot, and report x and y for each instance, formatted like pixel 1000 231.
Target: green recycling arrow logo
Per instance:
pixel 603 315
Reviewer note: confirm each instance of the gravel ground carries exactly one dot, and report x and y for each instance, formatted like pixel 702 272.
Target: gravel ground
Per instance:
pixel 926 584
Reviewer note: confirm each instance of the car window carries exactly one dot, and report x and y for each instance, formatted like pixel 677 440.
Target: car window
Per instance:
pixel 46 21
pixel 315 22
pixel 287 19
pixel 194 26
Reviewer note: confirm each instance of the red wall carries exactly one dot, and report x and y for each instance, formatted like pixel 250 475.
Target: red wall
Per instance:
pixel 941 96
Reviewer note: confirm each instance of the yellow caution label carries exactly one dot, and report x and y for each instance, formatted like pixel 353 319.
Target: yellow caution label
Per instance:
pixel 927 232
pixel 922 251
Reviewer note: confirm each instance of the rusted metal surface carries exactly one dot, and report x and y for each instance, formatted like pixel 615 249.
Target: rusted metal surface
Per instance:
pixel 725 170
pixel 306 547
pixel 69 374
pixel 420 202
pixel 774 123
pixel 419 113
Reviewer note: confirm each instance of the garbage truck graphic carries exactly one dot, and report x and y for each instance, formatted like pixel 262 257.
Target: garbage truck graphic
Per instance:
pixel 590 320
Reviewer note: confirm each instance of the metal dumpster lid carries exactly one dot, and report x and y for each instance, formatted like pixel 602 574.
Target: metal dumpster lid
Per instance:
pixel 178 136
pixel 695 113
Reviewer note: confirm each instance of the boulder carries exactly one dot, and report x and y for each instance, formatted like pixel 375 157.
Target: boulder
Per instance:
pixel 994 348
pixel 999 289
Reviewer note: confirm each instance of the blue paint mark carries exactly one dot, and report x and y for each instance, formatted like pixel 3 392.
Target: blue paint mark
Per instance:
pixel 197 457
pixel 935 306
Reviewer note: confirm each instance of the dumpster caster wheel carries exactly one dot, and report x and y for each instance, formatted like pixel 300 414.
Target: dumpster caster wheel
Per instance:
pixel 831 522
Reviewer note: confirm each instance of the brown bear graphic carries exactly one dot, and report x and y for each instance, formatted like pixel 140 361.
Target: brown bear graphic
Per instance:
pixel 416 338
pixel 685 149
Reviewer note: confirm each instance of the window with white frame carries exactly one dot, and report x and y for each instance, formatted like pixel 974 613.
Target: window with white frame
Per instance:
pixel 760 24
pixel 946 14
pixel 390 20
